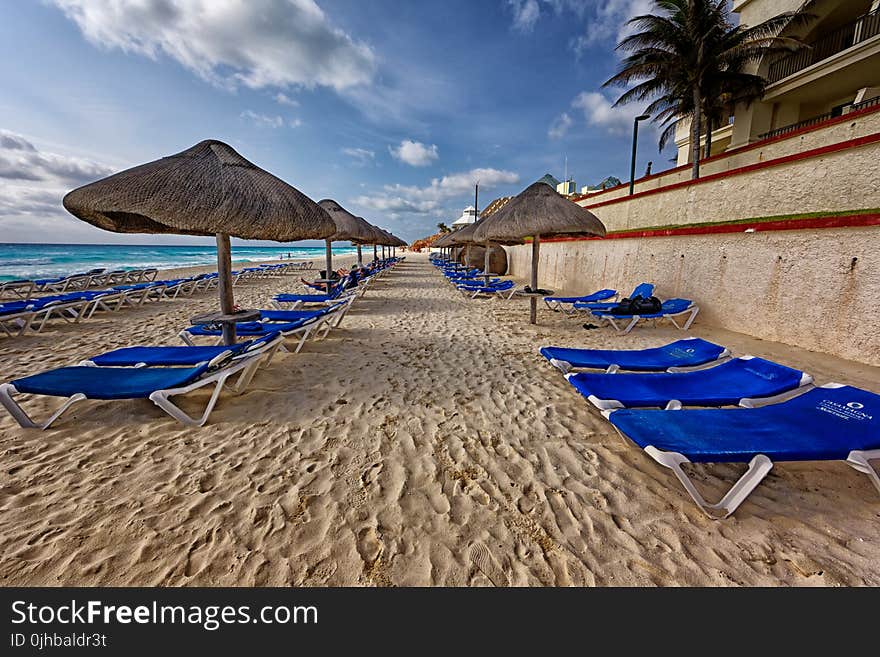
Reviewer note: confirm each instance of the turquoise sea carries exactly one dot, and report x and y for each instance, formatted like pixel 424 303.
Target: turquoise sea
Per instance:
pixel 46 260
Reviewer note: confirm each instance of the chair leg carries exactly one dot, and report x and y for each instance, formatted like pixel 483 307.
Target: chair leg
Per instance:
pixel 162 399
pixel 694 312
pixel 631 325
pixel 861 461
pixel 7 390
pixel 759 466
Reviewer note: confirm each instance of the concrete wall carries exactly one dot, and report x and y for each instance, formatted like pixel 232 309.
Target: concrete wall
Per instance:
pixel 842 180
pixel 858 126
pixel 798 287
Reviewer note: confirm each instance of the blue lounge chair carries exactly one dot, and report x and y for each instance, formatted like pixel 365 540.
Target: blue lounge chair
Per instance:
pixel 673 357
pixel 504 290
pixel 560 303
pixel 302 325
pixel 643 290
pixel 17 317
pixel 669 309
pixel 831 422
pixel 183 356
pixel 301 299
pixel 158 384
pixel 723 385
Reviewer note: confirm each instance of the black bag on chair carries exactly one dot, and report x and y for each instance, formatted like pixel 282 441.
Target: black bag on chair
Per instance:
pixel 638 305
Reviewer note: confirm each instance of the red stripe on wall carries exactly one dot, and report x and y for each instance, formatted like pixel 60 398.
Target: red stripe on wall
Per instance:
pixel 743 149
pixel 757 166
pixel 849 221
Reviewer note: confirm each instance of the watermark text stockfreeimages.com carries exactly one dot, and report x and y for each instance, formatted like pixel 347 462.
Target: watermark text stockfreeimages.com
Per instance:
pixel 209 617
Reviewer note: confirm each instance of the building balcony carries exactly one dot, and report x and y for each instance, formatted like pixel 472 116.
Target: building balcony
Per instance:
pixel 720 141
pixel 794 127
pixel 835 44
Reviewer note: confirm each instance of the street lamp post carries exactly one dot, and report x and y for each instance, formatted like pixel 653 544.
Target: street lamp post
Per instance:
pixel 632 168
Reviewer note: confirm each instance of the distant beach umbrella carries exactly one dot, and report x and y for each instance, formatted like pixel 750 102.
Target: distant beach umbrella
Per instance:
pixel 538 211
pixel 370 239
pixel 349 228
pixel 387 239
pixel 396 242
pixel 208 189
pixel 465 237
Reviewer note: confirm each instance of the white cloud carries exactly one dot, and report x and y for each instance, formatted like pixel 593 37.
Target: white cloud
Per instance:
pixel 361 156
pixel 255 43
pixel 35 181
pixel 415 153
pixel 21 160
pixel 263 120
pixel 560 126
pixel 607 22
pixel 284 99
pixel 295 123
pixel 604 20
pixel 598 112
pixel 525 14
pixel 412 199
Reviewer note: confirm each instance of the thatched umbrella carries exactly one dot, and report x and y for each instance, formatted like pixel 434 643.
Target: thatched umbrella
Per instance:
pixel 442 242
pixel 387 239
pixel 208 189
pixel 399 242
pixel 348 229
pixel 370 239
pixel 465 236
pixel 538 210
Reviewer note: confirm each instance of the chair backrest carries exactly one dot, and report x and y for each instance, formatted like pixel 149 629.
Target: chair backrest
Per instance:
pixel 643 290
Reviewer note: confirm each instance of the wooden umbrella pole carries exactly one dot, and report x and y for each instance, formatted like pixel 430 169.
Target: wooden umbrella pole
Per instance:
pixel 374 253
pixel 224 278
pixel 360 257
pixel 486 272
pixel 533 300
pixel 328 258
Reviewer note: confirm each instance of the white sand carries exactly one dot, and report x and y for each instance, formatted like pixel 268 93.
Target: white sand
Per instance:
pixel 424 443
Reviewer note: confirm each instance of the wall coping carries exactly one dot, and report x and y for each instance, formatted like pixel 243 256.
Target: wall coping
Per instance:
pixel 737 151
pixel 757 166
pixel 859 219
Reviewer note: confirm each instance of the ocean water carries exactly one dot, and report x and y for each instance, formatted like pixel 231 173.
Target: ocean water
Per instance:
pixel 47 260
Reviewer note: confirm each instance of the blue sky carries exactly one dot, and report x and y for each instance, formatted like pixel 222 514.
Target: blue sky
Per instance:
pixel 392 108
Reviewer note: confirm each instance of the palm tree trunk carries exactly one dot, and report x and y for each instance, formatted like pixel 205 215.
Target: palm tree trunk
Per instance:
pixel 696 124
pixel 708 139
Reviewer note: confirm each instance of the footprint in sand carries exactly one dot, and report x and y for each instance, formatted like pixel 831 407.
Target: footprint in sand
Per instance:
pixel 486 563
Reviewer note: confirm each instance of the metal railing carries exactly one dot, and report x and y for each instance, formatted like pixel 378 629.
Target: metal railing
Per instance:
pixel 847 109
pixel 845 36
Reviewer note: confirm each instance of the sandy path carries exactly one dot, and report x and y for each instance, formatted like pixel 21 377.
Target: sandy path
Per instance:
pixel 424 443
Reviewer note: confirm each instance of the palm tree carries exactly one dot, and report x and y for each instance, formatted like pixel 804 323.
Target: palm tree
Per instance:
pixel 691 61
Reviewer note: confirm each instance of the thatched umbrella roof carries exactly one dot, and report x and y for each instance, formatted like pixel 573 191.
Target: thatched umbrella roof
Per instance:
pixel 372 233
pixel 204 190
pixel 538 210
pixel 208 189
pixel 466 235
pixel 387 238
pixel 443 241
pixel 348 227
